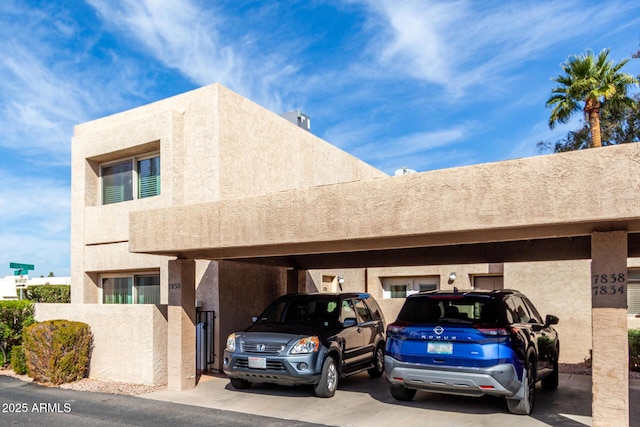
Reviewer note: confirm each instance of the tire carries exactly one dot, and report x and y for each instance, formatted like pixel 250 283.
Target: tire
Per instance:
pixel 328 379
pixel 402 393
pixel 378 363
pixel 524 406
pixel 550 382
pixel 239 383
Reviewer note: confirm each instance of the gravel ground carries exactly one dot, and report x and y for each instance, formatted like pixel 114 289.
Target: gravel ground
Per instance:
pixel 93 385
pixel 584 369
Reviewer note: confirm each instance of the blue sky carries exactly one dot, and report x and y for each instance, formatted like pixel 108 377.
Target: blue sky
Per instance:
pixel 422 84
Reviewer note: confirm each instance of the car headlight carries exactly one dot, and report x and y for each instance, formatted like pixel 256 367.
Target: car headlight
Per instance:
pixel 231 342
pixel 305 345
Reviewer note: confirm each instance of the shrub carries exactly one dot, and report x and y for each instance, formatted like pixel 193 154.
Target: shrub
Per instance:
pixel 14 316
pixel 18 361
pixel 57 351
pixel 49 293
pixel 634 350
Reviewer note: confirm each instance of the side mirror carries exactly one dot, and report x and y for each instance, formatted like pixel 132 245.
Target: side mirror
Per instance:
pixel 551 320
pixel 350 321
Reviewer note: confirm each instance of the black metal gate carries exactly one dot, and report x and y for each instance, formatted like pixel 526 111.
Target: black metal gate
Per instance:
pixel 205 328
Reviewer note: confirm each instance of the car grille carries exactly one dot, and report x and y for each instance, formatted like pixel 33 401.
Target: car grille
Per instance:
pixel 272 365
pixel 253 347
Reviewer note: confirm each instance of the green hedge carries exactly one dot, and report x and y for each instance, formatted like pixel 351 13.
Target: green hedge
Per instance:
pixel 18 360
pixel 14 316
pixel 634 350
pixel 48 293
pixel 57 351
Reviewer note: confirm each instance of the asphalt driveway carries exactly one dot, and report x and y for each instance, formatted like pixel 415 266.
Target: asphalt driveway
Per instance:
pixel 25 403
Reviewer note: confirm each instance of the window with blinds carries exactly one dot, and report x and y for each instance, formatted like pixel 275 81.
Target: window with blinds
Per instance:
pixel 116 290
pixel 135 289
pixel 402 287
pixel 131 178
pixel 117 182
pixel 147 289
pixel 633 292
pixel 148 177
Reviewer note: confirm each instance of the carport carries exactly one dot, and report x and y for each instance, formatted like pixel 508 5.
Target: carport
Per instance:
pixel 580 205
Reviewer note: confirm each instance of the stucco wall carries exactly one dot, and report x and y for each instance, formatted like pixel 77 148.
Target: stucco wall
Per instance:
pixel 245 290
pixel 129 341
pixel 561 288
pixel 263 153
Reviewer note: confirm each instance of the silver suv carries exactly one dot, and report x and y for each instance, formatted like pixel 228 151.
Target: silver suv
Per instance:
pixel 309 339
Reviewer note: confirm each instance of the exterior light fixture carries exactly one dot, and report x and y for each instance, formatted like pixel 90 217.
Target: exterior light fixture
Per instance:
pixel 452 277
pixel 340 281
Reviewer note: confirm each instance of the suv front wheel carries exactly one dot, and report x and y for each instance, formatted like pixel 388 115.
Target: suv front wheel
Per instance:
pixel 239 384
pixel 328 379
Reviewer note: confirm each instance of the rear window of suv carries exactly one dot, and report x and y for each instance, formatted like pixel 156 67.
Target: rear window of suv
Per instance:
pixel 449 309
pixel 302 309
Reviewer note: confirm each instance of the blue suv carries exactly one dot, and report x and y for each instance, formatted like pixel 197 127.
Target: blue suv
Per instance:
pixel 472 343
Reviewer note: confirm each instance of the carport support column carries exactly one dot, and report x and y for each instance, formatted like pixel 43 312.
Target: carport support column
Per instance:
pixel 296 281
pixel 610 363
pixel 181 330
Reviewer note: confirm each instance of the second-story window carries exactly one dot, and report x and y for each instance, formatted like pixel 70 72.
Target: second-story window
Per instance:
pixel 124 180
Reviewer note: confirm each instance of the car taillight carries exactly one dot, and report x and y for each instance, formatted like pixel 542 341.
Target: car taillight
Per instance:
pixel 396 328
pixel 496 332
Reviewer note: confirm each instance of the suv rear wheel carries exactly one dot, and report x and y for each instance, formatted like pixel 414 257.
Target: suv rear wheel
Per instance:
pixel 328 379
pixel 524 406
pixel 402 393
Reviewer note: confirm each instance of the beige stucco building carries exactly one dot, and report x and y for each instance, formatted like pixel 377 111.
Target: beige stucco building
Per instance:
pixel 207 202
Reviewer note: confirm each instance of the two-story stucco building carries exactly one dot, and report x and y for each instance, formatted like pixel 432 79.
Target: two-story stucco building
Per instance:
pixel 207 202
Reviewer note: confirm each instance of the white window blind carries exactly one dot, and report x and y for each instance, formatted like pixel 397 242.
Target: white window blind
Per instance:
pixel 148 177
pixel 117 182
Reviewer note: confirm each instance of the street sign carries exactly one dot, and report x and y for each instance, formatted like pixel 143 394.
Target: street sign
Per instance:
pixel 21 282
pixel 21 266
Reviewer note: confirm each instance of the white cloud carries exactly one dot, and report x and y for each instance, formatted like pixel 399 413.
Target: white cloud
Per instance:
pixel 185 37
pixel 462 45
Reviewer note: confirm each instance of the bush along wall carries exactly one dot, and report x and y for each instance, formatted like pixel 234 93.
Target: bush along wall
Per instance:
pixel 48 293
pixel 18 361
pixel 57 351
pixel 14 316
pixel 634 350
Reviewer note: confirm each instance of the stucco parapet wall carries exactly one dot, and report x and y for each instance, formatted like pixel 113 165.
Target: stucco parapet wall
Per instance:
pixel 129 340
pixel 555 195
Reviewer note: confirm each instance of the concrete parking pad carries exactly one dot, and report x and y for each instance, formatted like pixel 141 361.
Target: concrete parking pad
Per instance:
pixel 362 401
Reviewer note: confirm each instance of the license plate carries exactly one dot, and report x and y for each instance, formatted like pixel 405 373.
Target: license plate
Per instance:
pixel 440 347
pixel 258 363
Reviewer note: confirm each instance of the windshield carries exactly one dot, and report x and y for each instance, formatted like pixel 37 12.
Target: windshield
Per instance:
pixel 302 309
pixel 449 309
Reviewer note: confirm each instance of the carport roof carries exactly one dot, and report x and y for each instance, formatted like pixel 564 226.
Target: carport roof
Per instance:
pixel 536 208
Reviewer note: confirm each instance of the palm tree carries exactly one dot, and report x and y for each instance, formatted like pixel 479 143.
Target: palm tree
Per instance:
pixel 586 83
